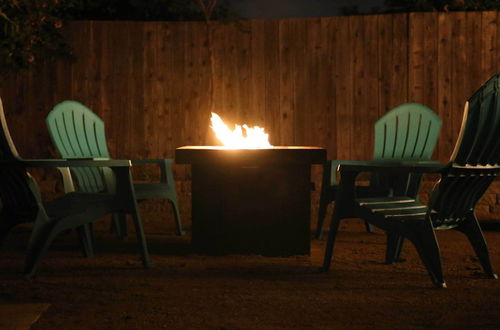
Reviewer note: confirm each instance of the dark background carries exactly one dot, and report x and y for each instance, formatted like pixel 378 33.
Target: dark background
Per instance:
pixel 298 8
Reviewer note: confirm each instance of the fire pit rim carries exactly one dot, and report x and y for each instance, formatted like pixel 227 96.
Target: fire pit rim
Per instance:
pixel 273 155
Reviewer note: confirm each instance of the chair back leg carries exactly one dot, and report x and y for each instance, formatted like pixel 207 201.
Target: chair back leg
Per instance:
pixel 141 239
pixel 473 231
pixel 178 223
pixel 423 237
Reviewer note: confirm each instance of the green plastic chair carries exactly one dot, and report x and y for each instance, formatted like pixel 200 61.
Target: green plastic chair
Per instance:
pixel 79 133
pixel 407 132
pixel 473 166
pixel 22 202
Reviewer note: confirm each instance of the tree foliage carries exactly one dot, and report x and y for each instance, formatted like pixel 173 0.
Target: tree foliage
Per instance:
pixel 30 30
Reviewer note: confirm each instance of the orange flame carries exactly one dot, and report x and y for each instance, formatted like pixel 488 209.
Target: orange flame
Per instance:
pixel 252 138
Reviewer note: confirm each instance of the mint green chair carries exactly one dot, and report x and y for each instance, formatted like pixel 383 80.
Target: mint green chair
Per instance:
pixel 407 132
pixel 22 201
pixel 79 133
pixel 473 166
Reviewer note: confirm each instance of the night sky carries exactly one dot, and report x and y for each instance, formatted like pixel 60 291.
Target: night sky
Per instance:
pixel 297 8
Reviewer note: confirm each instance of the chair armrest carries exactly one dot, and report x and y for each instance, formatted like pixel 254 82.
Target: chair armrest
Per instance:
pixel 69 163
pixel 350 170
pixel 68 184
pixel 147 161
pixel 332 167
pixel 345 200
pixel 393 166
pixel 165 165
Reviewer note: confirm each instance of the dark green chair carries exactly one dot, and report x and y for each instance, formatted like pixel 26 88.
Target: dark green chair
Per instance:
pixel 407 132
pixel 474 165
pixel 79 133
pixel 22 202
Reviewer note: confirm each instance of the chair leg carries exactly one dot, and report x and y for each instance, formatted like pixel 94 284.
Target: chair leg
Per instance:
pixel 86 240
pixel 122 220
pixel 424 239
pixel 119 225
pixel 177 215
pixel 369 227
pixel 473 231
pixel 393 248
pixel 332 234
pixel 141 238
pixel 40 240
pixel 323 207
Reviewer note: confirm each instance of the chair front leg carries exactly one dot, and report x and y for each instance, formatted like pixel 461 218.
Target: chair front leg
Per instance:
pixel 86 240
pixel 128 203
pixel 344 205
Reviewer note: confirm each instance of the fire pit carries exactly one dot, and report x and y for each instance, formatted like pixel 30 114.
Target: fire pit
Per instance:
pixel 251 201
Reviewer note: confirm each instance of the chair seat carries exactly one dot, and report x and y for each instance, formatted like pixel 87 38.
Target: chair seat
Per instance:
pixel 76 203
pixel 395 208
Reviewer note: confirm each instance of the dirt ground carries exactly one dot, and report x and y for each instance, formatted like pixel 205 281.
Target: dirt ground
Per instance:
pixel 188 291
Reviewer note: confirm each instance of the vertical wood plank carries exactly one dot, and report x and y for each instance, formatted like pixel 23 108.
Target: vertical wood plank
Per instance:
pixel 431 44
pixel 257 100
pixel 399 78
pixel 459 63
pixel 289 34
pixel 272 80
pixel 489 44
pixel 365 86
pixel 344 82
pixel 473 56
pixel 304 79
pixel 445 66
pixel 328 76
pixel 417 59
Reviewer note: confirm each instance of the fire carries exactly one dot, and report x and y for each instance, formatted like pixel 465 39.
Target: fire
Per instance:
pixel 252 138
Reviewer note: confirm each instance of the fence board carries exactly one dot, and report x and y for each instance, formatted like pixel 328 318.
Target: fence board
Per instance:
pixel 365 84
pixel 344 79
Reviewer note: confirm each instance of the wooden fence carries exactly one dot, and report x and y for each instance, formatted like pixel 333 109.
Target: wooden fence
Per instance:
pixel 321 82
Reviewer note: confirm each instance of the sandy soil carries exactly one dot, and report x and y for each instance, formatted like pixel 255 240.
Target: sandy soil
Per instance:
pixel 188 291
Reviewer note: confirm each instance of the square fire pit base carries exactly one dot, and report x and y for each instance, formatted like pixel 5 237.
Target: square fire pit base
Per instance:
pixel 251 201
pixel 251 210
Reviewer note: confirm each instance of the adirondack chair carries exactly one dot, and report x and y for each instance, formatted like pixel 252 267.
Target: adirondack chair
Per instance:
pixel 79 133
pixel 21 201
pixel 473 166
pixel 407 132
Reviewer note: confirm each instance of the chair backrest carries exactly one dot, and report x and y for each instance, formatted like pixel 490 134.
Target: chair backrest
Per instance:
pixel 475 159
pixel 407 132
pixel 18 191
pixel 77 132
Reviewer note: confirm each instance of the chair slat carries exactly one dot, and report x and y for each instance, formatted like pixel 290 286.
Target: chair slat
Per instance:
pixel 409 131
pixel 403 122
pixel 483 129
